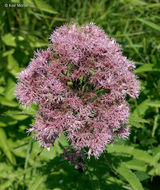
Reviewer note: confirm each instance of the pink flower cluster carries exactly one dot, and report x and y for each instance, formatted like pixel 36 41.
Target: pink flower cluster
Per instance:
pixel 79 86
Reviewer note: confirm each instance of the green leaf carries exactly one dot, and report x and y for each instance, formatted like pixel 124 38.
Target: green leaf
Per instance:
pixel 30 110
pixel 2 124
pixel 115 182
pixel 136 124
pixel 13 66
pixel 43 6
pixel 16 115
pixel 156 158
pixel 2 90
pixel 7 120
pixel 16 1
pixel 136 2
pixel 45 154
pixel 154 104
pixel 62 140
pixel 142 175
pixel 19 147
pixel 5 185
pixel 129 176
pixel 70 83
pixel 51 153
pixel 152 5
pixel 7 102
pixel 4 146
pixel 138 119
pixel 36 43
pixel 150 24
pixel 136 165
pixel 141 108
pixel 10 89
pixel 38 180
pixel 9 40
pixel 136 153
pixel 6 53
pixel 101 92
pixel 147 68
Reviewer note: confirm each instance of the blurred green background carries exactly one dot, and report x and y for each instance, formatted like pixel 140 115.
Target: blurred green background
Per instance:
pixel 130 164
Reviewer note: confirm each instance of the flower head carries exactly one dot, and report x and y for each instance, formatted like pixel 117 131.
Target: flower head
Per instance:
pixel 80 87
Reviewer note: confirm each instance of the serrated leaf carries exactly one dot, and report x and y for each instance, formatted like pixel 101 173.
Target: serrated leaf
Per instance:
pixel 21 152
pixel 4 146
pixel 112 180
pixel 141 108
pixel 154 104
pixel 129 176
pixel 136 124
pixel 138 119
pixel 7 120
pixel 16 115
pixel 156 158
pixel 147 68
pixel 142 175
pixel 136 165
pixel 7 102
pixel 136 153
pixel 5 167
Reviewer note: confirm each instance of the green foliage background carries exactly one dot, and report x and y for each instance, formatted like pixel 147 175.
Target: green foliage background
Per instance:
pixel 131 164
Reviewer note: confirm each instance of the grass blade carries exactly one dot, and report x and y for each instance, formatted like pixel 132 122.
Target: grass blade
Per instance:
pixel 150 24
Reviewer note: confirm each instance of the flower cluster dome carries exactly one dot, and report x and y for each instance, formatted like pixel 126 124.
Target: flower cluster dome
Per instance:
pixel 79 85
